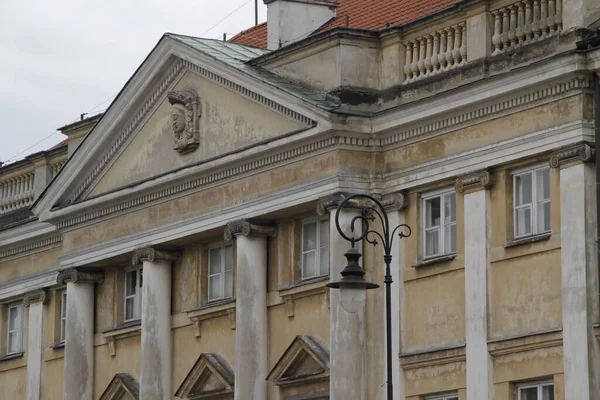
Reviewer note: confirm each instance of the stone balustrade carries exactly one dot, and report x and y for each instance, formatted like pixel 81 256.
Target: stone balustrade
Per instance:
pixel 525 22
pixel 17 192
pixel 435 52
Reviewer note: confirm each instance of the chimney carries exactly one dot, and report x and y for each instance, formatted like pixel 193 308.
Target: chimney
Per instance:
pixel 289 21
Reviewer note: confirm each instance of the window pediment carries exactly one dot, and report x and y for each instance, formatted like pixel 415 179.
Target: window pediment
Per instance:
pixel 122 387
pixel 209 377
pixel 305 360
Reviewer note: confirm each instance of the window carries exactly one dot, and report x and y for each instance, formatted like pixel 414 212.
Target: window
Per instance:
pixel 16 326
pixel 63 316
pixel 133 294
pixel 439 224
pixel 315 248
pixel 536 391
pixel 220 274
pixel 531 202
pixel 451 396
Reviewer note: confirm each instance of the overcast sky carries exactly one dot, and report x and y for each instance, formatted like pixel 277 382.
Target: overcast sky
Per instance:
pixel 61 58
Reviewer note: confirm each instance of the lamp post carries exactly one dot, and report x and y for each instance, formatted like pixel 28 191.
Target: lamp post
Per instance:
pixel 353 285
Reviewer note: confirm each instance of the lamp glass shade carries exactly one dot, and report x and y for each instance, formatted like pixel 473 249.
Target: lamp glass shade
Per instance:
pixel 352 298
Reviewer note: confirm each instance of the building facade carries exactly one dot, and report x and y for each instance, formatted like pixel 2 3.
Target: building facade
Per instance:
pixel 179 245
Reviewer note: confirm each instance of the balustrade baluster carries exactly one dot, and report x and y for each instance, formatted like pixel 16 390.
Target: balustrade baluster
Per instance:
pixel 520 23
pixel 428 53
pixel 435 62
pixel 415 59
pixel 544 17
pixel 512 34
pixel 535 25
pixel 558 15
pixel 407 61
pixel 550 20
pixel 450 36
pixel 528 22
pixel 496 38
pixel 463 44
pixel 505 28
pixel 443 49
pixel 421 62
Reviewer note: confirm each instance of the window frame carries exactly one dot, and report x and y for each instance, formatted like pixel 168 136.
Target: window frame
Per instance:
pixel 20 328
pixel 223 246
pixel 443 225
pixel 63 317
pixel 539 385
pixel 137 297
pixel 317 250
pixel 533 219
pixel 444 396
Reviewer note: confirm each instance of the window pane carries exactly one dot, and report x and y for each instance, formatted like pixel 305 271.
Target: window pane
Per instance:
pixel 452 398
pixel 12 342
pixel 12 318
pixel 523 222
pixel 548 392
pixel 141 277
pixel 432 241
pixel 228 284
pixel 215 261
pixel 324 233
pixel 324 261
pixel 543 217
pixel 523 189
pixel 228 258
pixel 63 304
pixel 309 239
pixel 450 239
pixel 450 207
pixel 131 283
pixel 129 307
pixel 308 265
pixel 543 184
pixel 432 212
pixel 528 394
pixel 214 287
pixel 63 329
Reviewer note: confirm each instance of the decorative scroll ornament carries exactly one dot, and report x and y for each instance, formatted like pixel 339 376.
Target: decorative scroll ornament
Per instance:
pixel 151 254
pixel 244 228
pixel 92 275
pixel 185 116
pixel 579 152
pixel 475 181
pixel 395 201
pixel 39 296
pixel 329 203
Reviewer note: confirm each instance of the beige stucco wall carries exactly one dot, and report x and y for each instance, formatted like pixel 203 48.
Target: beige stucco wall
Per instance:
pixel 229 122
pixel 30 264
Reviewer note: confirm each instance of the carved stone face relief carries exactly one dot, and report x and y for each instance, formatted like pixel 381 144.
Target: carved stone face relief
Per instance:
pixel 184 118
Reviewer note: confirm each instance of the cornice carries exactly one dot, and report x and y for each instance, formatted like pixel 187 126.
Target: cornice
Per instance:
pixel 580 152
pixel 304 150
pixel 31 247
pixel 39 296
pixel 150 254
pixel 433 357
pixel 243 227
pixel 476 181
pixel 75 275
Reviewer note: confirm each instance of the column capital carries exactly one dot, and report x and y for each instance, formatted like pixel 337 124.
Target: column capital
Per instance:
pixel 331 202
pixel 245 228
pixel 151 254
pixel 80 276
pixel 396 201
pixel 479 180
pixel 580 152
pixel 39 296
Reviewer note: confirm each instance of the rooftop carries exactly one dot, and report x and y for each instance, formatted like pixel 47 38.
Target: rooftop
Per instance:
pixel 361 14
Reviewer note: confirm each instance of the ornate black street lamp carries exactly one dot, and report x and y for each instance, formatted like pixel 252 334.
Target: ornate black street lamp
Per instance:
pixel 353 273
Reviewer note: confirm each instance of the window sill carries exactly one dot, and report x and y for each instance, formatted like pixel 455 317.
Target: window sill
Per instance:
pixel 433 261
pixel 11 356
pixel 527 240
pixel 307 288
pixel 58 346
pixel 212 310
pixel 129 329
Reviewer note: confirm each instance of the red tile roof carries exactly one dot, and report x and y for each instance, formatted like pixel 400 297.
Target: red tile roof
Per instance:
pixel 362 14
pixel 62 143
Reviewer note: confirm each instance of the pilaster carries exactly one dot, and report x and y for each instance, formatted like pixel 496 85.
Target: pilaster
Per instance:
pixel 251 335
pixel 156 341
pixel 477 225
pixel 579 273
pixel 78 375
pixel 35 343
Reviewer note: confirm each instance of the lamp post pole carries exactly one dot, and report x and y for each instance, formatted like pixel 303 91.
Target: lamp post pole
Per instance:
pixel 352 275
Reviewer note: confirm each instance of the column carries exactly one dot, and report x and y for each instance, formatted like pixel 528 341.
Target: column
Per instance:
pixel 346 329
pixel 78 371
pixel 395 205
pixel 251 335
pixel 156 342
pixel 35 343
pixel 579 272
pixel 477 236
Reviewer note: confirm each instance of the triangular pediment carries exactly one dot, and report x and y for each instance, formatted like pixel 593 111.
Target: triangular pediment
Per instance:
pixel 187 106
pixel 210 377
pixel 121 387
pixel 305 360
